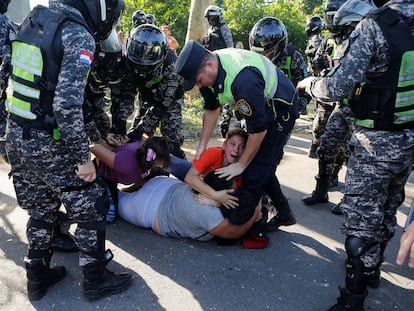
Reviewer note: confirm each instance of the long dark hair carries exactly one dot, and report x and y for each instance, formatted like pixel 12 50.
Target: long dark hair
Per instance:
pixel 153 149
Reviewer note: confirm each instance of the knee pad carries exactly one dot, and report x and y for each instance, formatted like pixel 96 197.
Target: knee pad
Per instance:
pixel 356 272
pixel 39 242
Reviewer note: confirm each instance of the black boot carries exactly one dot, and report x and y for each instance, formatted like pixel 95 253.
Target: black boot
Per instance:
pixel 320 194
pixel 348 301
pixel 283 217
pixel 99 282
pixel 40 276
pixel 312 151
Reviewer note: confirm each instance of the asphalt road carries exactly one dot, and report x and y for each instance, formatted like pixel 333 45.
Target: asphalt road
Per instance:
pixel 300 270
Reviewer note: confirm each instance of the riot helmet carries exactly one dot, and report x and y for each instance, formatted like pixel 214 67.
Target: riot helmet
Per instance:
pixel 100 15
pixel 151 19
pixel 351 12
pixel 268 37
pixel 214 14
pixel 3 6
pixel 331 6
pixel 146 49
pixel 108 60
pixel 139 18
pixel 314 25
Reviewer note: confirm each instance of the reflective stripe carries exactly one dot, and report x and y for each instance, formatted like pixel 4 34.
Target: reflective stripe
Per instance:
pixel 103 10
pixel 368 123
pixel 23 89
pixel 27 63
pixel 19 72
pixel 27 57
pixel 404 117
pixel 405 90
pixel 235 60
pixel 19 108
pixel 270 72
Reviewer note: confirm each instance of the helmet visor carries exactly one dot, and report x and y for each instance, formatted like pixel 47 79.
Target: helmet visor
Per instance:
pixel 111 44
pixel 145 54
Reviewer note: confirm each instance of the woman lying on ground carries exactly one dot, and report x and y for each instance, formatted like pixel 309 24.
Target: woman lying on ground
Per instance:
pixel 171 208
pixel 167 205
pixel 128 164
pixel 131 163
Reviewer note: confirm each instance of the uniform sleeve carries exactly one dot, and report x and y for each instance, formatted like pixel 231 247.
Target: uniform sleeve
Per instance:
pixel 368 42
pixel 210 100
pixel 6 31
pixel 227 36
pixel 78 51
pixel 122 98
pixel 248 91
pixel 298 68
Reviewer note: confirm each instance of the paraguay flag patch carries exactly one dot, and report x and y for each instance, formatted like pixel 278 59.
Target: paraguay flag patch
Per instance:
pixel 85 57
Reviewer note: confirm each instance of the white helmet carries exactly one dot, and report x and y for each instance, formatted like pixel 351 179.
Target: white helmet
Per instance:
pixel 214 15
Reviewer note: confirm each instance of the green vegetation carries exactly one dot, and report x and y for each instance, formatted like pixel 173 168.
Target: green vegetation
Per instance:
pixel 240 15
pixel 192 116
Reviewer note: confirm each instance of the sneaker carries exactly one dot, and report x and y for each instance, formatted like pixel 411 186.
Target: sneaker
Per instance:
pixel 278 220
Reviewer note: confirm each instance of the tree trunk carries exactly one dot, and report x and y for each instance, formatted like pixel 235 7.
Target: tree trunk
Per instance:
pixel 197 23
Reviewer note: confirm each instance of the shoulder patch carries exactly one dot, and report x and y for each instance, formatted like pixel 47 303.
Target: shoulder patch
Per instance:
pixel 85 57
pixel 244 108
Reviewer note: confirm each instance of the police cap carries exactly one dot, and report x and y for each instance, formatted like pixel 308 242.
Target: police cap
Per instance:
pixel 189 61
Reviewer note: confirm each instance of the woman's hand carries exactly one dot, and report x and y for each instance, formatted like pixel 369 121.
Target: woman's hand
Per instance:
pixel 86 172
pixel 203 200
pixel 225 198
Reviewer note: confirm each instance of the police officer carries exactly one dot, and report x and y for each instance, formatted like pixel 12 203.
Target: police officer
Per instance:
pixel 151 19
pixel 150 74
pixel 139 17
pixel 106 72
pixel 382 144
pixel 8 31
pixel 332 151
pixel 313 28
pixel 47 144
pixel 321 64
pixel 269 37
pixel 266 99
pixel 219 34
